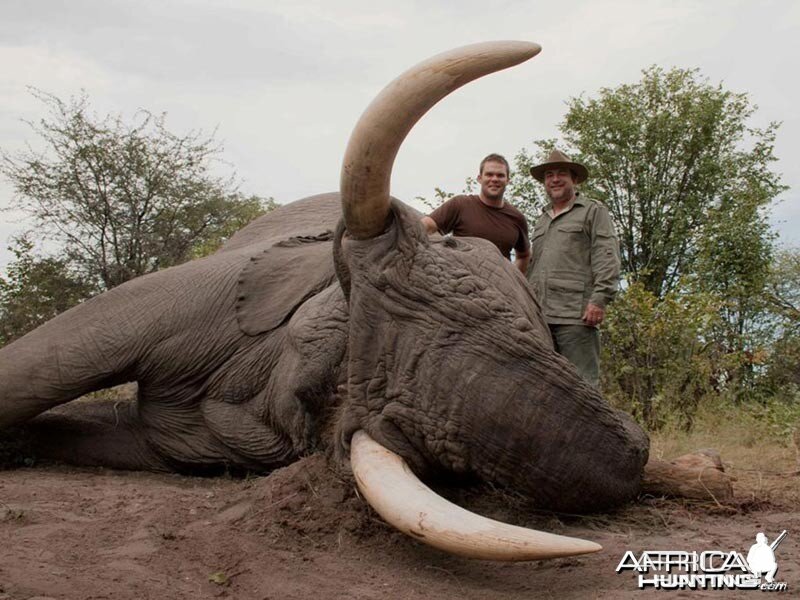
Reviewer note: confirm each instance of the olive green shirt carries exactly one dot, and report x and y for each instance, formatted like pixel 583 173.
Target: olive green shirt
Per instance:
pixel 574 260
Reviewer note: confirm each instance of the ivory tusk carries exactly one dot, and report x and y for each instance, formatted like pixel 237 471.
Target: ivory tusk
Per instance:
pixel 376 138
pixel 409 505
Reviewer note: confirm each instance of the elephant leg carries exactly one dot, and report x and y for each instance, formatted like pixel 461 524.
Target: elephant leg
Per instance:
pixel 112 339
pixel 90 433
pixel 91 346
pixel 251 443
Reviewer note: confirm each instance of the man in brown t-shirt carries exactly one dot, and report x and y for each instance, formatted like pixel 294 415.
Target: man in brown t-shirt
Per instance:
pixel 486 215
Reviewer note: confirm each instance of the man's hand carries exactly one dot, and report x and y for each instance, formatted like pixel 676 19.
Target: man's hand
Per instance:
pixel 593 315
pixel 430 225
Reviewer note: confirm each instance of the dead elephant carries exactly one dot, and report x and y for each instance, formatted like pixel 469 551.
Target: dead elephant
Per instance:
pixel 300 334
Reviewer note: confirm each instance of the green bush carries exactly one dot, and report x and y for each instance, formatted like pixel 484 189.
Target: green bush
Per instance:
pixel 657 361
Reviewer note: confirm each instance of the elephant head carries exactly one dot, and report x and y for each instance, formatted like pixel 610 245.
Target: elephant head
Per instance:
pixel 368 338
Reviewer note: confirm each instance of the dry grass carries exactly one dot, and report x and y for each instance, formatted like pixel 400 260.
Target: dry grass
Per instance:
pixel 758 448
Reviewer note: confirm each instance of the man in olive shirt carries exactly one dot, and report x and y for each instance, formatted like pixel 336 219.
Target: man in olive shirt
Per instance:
pixel 575 263
pixel 486 215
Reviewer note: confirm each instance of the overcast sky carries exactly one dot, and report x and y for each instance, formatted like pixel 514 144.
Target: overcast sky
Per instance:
pixel 284 81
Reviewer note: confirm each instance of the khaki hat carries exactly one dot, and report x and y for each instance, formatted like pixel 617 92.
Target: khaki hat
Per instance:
pixel 559 159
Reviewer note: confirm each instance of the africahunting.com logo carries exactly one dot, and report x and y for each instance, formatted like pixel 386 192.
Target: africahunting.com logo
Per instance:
pixel 710 569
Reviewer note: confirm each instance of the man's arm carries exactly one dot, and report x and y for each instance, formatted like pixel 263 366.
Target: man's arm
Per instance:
pixel 429 225
pixel 443 218
pixel 605 266
pixel 522 248
pixel 522 260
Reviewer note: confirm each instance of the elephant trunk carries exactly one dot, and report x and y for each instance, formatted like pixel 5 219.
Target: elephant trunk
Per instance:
pixel 376 139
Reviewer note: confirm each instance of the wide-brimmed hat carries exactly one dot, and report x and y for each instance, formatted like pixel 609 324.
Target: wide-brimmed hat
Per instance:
pixel 556 160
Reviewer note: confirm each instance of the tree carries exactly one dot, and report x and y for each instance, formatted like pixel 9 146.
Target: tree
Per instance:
pixel 238 212
pixel 688 181
pixel 35 290
pixel 784 288
pixel 733 262
pixel 782 376
pixel 668 155
pixel 124 199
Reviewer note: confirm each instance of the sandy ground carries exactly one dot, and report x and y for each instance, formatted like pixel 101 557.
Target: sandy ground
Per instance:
pixel 305 533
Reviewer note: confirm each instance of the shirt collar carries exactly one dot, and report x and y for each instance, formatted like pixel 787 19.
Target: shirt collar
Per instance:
pixel 576 200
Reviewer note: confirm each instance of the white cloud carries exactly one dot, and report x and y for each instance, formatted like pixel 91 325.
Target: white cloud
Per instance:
pixel 350 15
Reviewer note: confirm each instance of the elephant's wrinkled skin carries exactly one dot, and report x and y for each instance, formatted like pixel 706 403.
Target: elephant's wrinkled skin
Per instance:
pixel 291 338
pixel 443 348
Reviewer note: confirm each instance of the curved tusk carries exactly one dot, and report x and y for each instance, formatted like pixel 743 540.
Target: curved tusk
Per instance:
pixel 376 138
pixel 409 505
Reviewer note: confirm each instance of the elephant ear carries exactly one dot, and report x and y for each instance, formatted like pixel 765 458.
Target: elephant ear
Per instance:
pixel 280 279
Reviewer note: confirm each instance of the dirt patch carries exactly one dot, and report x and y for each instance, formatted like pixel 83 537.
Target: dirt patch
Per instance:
pixel 305 533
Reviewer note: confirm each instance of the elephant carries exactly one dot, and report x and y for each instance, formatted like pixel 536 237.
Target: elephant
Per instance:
pixel 335 323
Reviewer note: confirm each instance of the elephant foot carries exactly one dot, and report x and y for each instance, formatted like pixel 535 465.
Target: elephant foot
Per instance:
pixel 697 476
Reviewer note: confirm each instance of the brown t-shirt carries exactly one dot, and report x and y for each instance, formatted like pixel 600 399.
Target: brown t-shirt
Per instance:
pixel 505 227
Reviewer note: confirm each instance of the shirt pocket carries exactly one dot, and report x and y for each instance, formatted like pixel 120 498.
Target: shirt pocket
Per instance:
pixel 574 247
pixel 565 297
pixel 537 238
pixel 573 237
